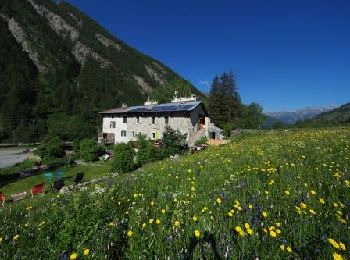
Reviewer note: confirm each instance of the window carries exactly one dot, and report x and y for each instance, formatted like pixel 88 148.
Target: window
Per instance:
pixel 125 119
pixel 133 133
pixel 153 120
pixel 140 133
pixel 123 133
pixel 153 136
pixel 112 124
pixel 138 119
pixel 166 120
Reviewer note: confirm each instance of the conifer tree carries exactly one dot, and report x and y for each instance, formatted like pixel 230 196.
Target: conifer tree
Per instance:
pixel 224 100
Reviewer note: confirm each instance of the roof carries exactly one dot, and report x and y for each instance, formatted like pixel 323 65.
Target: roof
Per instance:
pixel 161 108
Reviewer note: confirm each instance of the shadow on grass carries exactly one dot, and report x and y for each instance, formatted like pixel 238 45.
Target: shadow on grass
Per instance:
pixel 207 240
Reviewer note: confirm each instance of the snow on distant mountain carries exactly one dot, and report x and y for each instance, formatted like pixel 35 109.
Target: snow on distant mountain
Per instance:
pixel 291 117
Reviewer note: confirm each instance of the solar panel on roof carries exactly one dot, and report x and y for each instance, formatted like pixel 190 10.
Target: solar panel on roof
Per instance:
pixel 169 107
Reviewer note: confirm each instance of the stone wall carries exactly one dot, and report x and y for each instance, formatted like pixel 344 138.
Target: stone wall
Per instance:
pixel 186 122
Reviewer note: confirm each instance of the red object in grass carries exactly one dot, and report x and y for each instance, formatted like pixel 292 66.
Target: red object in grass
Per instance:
pixel 36 189
pixel 2 197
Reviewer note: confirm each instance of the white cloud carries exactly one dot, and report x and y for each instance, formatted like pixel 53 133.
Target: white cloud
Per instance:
pixel 204 83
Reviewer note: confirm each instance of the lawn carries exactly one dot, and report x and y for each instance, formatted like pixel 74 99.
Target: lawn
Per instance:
pixel 275 195
pixel 91 171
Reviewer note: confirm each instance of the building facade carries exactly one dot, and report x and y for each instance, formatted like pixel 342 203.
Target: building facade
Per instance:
pixel 124 124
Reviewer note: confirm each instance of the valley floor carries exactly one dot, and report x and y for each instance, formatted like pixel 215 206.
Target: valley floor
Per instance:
pixel 282 194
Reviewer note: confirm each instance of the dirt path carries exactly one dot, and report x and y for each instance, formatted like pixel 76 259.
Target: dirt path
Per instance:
pixel 12 155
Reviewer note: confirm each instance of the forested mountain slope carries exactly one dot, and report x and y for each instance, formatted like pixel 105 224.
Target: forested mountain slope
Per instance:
pixel 59 68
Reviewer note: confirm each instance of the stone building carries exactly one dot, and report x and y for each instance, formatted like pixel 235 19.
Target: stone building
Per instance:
pixel 187 115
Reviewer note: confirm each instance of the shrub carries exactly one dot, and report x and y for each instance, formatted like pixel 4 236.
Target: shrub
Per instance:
pixel 90 150
pixel 50 148
pixel 146 151
pixel 123 158
pixel 202 140
pixel 174 142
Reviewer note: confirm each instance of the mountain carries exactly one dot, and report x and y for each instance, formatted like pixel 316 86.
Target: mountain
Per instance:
pixel 59 68
pixel 291 117
pixel 338 115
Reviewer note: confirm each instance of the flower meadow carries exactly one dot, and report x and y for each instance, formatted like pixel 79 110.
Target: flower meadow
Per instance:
pixel 276 195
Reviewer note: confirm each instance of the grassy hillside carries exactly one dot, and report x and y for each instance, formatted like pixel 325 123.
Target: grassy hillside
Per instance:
pixel 271 195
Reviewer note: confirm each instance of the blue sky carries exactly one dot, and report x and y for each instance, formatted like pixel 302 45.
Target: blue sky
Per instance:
pixel 284 54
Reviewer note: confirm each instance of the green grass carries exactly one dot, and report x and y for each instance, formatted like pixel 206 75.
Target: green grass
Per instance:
pixel 91 170
pixel 18 167
pixel 274 195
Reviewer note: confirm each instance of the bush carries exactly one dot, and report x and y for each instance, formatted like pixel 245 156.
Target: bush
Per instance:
pixel 123 158
pixel 174 142
pixel 202 140
pixel 146 151
pixel 90 150
pixel 50 148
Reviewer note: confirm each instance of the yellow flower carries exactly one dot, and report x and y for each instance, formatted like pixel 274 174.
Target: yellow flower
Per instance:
pixel 177 223
pixel 218 201
pixel 246 225
pixel 158 221
pixel 264 214
pixel 250 206
pixel 144 225
pixel 289 249
pixel 73 256
pixel 230 214
pixel 239 231
pixel 303 205
pixel 278 224
pixel 150 220
pixel 163 211
pixel 250 231
pixel 312 211
pixel 130 233
pixel 342 246
pixel 193 188
pixel 1 239
pixel 273 233
pixel 333 243
pixel 287 192
pixel 282 247
pixel 322 201
pixel 313 192
pixel 86 251
pixel 337 256
pixel 15 237
pixel 29 208
pixel 197 233
pixel 194 218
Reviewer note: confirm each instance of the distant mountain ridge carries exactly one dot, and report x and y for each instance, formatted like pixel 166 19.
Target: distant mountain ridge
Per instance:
pixel 59 67
pixel 291 117
pixel 338 115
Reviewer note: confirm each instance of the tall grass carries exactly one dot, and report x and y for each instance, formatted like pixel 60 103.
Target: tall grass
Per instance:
pixel 275 195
